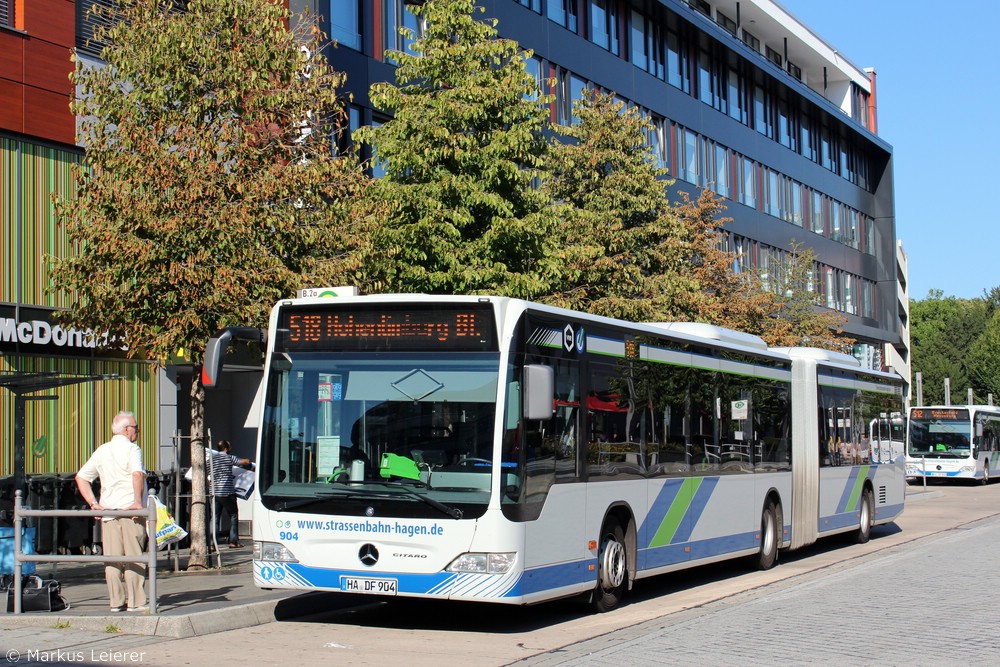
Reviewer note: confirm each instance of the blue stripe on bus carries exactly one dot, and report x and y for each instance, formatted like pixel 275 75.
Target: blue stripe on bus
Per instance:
pixel 437 584
pixel 557 576
pixel 850 519
pixel 672 554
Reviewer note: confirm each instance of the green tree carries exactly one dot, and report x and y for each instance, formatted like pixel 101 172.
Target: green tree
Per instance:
pixel 622 245
pixel 984 361
pixel 461 155
pixel 799 318
pixel 724 297
pixel 942 331
pixel 209 190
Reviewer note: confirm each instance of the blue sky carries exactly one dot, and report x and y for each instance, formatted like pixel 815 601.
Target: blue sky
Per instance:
pixel 937 91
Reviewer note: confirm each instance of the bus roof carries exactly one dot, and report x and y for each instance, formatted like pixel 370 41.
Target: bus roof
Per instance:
pixel 712 332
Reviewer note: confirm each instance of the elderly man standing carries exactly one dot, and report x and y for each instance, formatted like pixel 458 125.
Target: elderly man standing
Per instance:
pixel 118 464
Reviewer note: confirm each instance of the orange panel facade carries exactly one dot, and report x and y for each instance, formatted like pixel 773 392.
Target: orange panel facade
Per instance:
pixel 47 115
pixel 51 21
pixel 34 70
pixel 11 106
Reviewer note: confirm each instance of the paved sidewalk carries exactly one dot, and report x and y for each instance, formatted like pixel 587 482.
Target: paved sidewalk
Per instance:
pixel 189 603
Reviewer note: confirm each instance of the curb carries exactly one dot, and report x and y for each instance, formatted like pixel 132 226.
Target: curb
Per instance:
pixel 180 626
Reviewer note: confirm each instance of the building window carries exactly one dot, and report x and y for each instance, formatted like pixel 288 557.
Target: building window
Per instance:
pixel 604 24
pixel 702 7
pixel 807 138
pixel 794 70
pixel 398 15
pixel 751 41
pixel 748 181
pixel 688 157
pixel 721 183
pixel 376 165
pixel 773 55
pixel 725 22
pixel 774 193
pixel 577 89
pixel 677 62
pixel 656 138
pixel 795 204
pixel 786 131
pixel 705 87
pixel 762 119
pixel 859 104
pixel 534 67
pixel 7 11
pixel 87 23
pixel 343 136
pixel 562 12
pixel 826 149
pixel 817 218
pixel 345 23
pixel 736 102
pixel 534 5
pixel 638 32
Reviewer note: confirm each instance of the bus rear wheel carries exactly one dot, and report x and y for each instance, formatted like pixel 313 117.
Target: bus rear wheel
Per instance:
pixel 770 539
pixel 612 567
pixel 867 511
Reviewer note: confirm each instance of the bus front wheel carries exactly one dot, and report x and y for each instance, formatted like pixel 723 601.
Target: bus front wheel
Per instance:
pixel 612 567
pixel 867 511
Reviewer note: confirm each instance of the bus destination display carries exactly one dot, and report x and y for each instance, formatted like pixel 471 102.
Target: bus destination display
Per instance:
pixel 467 328
pixel 945 414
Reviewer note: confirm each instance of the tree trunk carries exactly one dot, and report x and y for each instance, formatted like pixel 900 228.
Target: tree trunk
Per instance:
pixel 198 559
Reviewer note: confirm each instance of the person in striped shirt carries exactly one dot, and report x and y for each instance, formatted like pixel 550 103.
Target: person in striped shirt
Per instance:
pixel 219 465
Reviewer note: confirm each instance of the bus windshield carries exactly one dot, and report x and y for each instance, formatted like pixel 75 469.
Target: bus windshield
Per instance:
pixel 350 429
pixel 940 437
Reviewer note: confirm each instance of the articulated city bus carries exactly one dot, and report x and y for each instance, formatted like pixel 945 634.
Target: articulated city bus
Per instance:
pixel 491 449
pixel 953 442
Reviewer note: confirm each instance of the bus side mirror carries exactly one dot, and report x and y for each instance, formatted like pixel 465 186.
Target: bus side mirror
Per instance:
pixel 218 345
pixel 539 387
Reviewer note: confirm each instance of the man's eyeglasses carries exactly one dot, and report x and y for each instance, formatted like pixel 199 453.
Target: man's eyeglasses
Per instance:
pixel 135 426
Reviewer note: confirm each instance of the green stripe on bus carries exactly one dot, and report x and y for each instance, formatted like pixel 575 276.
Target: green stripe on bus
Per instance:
pixel 859 482
pixel 678 508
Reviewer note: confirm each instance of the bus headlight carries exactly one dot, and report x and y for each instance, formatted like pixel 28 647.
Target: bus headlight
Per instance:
pixel 274 552
pixel 483 563
pixel 968 468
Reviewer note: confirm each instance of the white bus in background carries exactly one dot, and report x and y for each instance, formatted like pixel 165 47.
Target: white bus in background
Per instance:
pixel 953 442
pixel 491 449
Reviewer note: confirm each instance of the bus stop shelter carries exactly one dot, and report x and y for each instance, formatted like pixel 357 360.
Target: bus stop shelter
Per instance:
pixel 21 384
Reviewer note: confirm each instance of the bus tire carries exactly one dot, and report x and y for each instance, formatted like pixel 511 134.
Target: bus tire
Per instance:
pixel 770 537
pixel 986 474
pixel 612 567
pixel 867 520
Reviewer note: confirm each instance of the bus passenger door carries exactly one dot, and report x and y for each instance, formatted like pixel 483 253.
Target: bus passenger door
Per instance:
pixel 556 536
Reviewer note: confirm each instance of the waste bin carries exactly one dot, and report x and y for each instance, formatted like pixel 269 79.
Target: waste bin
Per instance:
pixel 74 532
pixel 7 500
pixel 42 491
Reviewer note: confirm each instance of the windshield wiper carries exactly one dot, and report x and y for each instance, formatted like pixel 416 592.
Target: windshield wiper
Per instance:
pixel 447 510
pixel 453 512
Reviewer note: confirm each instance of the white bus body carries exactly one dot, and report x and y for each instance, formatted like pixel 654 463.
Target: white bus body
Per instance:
pixel 402 449
pixel 953 442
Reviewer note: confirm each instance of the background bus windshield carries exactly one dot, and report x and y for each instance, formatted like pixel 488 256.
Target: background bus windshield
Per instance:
pixel 940 436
